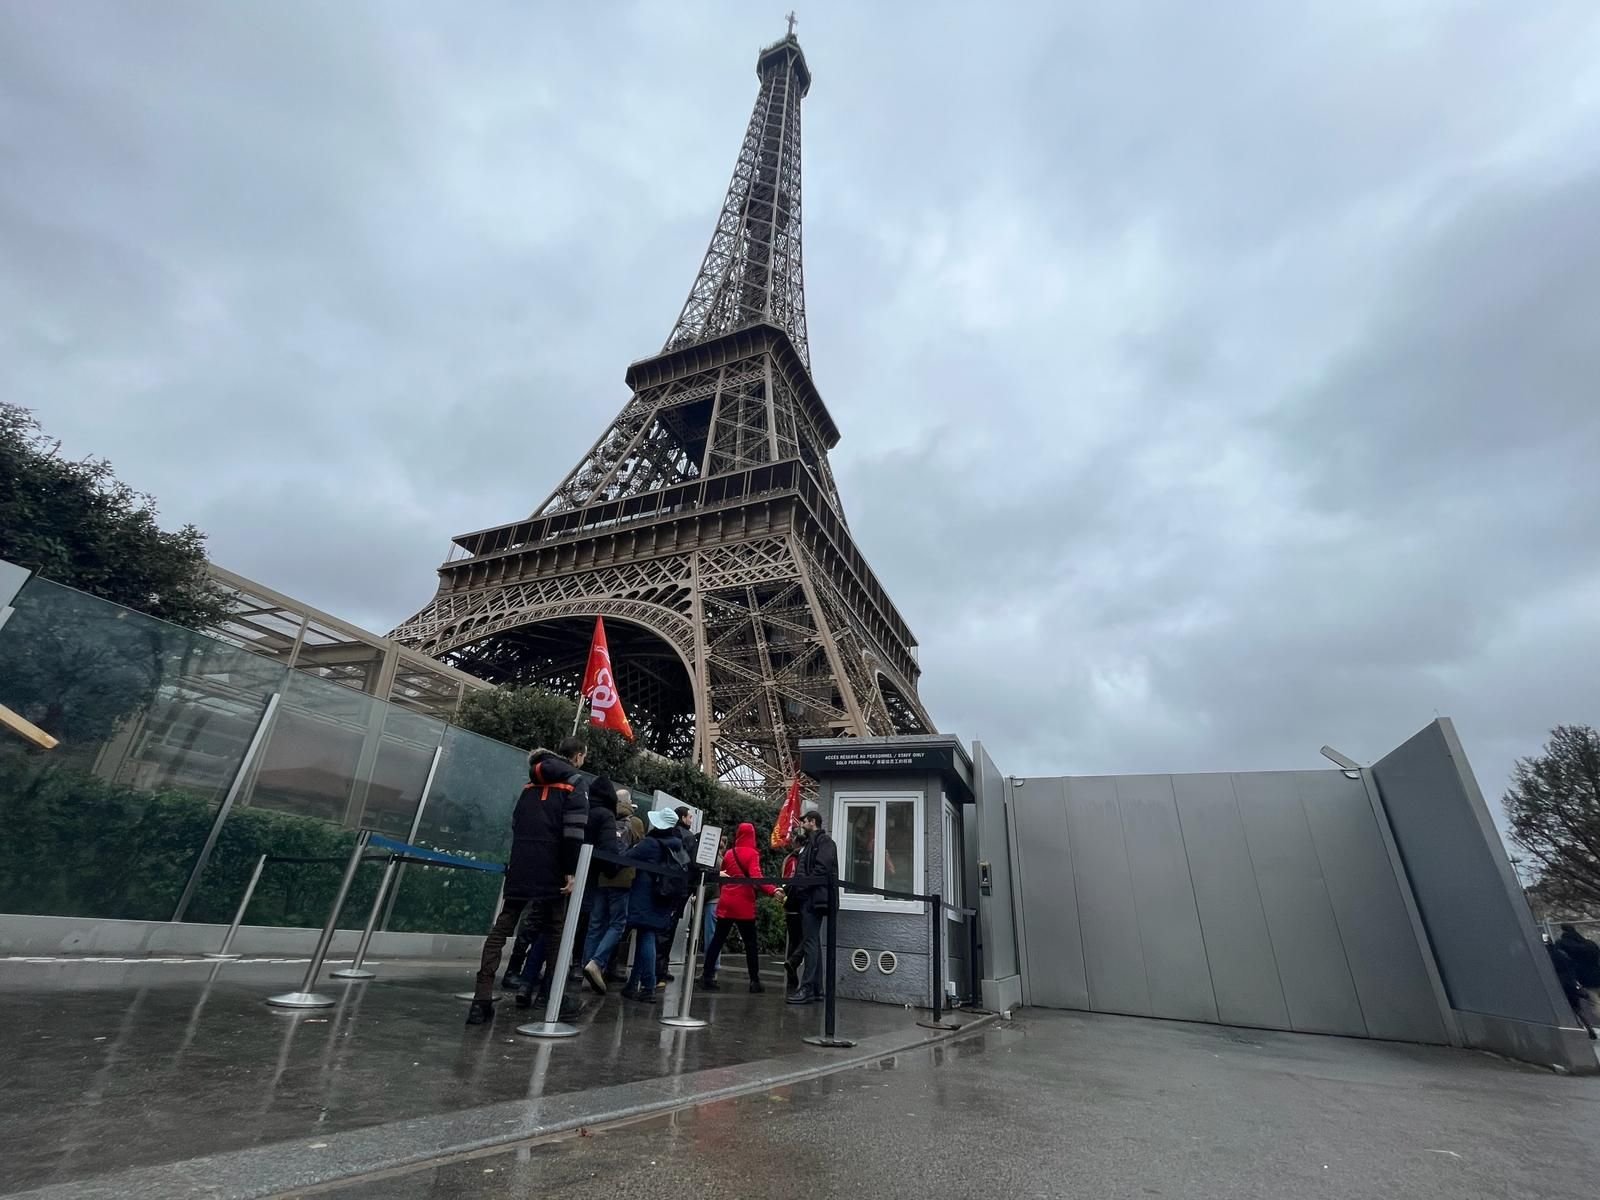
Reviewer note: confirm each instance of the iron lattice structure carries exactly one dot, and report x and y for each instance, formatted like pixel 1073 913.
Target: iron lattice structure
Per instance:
pixel 704 524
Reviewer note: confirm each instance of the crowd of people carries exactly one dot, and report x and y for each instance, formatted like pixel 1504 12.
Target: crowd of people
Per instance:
pixel 640 881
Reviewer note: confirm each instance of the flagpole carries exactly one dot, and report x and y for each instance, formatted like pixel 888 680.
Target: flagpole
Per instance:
pixel 583 679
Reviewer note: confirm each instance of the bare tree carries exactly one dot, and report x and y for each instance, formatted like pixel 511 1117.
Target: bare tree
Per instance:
pixel 1554 809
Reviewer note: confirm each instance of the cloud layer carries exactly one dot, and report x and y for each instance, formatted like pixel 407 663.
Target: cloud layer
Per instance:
pixel 1216 381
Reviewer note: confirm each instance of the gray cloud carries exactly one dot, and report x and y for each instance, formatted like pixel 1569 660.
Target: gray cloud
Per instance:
pixel 1215 382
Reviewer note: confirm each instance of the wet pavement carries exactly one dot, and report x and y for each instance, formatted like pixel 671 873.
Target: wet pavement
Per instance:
pixel 112 1066
pixel 1078 1105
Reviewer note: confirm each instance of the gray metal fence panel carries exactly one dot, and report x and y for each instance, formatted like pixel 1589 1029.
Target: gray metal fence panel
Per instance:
pixel 1244 972
pixel 1112 952
pixel 1174 950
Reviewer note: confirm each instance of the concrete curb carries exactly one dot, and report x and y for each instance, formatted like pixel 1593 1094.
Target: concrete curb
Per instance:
pixel 306 1164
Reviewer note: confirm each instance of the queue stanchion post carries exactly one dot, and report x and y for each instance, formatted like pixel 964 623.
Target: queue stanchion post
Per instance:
pixel 936 965
pixel 305 997
pixel 975 974
pixel 681 1019
pixel 356 970
pixel 829 1035
pixel 224 952
pixel 552 1026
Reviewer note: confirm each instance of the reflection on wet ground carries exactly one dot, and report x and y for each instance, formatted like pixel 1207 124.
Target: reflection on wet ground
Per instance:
pixel 113 1065
pixel 1079 1105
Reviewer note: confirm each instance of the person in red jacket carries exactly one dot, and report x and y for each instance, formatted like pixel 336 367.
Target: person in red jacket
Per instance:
pixel 737 906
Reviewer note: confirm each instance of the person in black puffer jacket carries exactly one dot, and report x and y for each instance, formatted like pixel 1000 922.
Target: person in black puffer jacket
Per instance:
pixel 607 906
pixel 547 831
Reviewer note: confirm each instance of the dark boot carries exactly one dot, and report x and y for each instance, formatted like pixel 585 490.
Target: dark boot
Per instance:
pixel 709 985
pixel 481 1012
pixel 756 987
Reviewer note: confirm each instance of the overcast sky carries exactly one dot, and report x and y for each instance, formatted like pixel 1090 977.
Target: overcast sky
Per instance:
pixel 1216 380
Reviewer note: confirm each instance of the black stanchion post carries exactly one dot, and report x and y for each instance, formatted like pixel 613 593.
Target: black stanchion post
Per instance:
pixel 831 984
pixel 936 966
pixel 974 986
pixel 829 1035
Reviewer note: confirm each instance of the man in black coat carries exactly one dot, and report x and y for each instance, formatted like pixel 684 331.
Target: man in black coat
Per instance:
pixel 547 830
pixel 819 858
pixel 1585 955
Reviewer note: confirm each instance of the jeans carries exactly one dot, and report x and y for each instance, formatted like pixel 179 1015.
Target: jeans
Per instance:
pixel 710 923
pixel 608 920
pixel 811 977
pixel 747 932
pixel 643 978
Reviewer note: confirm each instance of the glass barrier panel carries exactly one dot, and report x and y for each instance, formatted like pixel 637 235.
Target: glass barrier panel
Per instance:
pixel 468 813
pixel 401 770
pixel 153 721
pixel 309 765
pixel 336 761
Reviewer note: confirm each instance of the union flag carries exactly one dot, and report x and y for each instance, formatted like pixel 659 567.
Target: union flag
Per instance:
pixel 788 816
pixel 600 687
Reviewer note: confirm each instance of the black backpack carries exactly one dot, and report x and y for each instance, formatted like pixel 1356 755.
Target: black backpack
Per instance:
pixel 671 888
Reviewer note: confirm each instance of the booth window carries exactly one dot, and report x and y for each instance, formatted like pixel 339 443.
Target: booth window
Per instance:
pixel 880 845
pixel 955 891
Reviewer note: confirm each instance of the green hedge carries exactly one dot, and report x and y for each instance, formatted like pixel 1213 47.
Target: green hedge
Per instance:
pixel 76 845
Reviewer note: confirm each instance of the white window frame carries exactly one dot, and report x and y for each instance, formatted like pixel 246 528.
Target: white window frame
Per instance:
pixel 955 883
pixel 856 901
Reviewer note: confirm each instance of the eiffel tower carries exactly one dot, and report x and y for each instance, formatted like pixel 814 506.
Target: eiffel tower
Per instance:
pixel 704 524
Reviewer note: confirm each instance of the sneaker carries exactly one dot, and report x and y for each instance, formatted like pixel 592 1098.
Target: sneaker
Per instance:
pixel 631 994
pixel 666 977
pixel 646 998
pixel 710 985
pixel 510 982
pixel 595 976
pixel 523 1000
pixel 661 985
pixel 756 987
pixel 571 1010
pixel 800 997
pixel 481 1012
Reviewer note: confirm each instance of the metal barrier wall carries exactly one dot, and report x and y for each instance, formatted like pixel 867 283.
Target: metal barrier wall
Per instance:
pixel 1266 899
pixel 1503 993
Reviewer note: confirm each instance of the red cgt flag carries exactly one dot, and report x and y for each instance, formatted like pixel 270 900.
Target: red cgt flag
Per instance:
pixel 788 815
pixel 600 687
